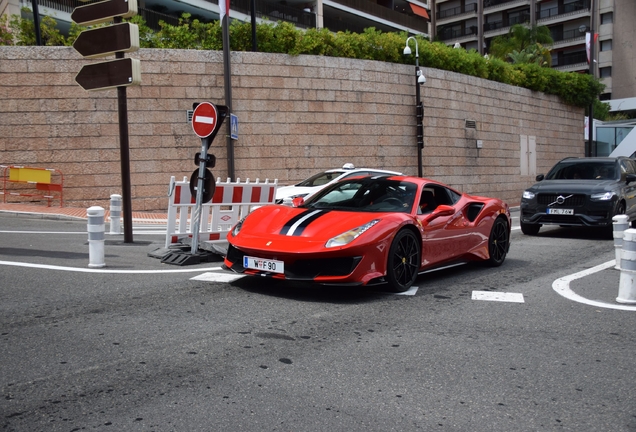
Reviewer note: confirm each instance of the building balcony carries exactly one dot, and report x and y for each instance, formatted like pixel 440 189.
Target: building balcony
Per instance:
pixel 568 38
pixel 566 13
pixel 492 6
pixel 465 34
pixel 152 17
pixel 455 14
pixel 380 12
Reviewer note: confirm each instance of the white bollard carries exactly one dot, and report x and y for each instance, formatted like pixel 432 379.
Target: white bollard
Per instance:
pixel 96 230
pixel 627 284
pixel 620 223
pixel 115 214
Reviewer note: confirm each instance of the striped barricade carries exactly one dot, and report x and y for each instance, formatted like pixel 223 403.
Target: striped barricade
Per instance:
pixel 231 202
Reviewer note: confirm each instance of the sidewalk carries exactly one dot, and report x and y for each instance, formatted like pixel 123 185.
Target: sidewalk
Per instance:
pixel 43 211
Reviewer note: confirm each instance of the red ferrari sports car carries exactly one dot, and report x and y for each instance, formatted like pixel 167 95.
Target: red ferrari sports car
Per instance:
pixel 368 230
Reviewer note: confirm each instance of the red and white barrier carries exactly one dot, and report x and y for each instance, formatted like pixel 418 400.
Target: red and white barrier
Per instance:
pixel 231 202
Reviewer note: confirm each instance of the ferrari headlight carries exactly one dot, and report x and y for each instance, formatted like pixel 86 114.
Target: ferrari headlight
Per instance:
pixel 604 196
pixel 528 195
pixel 237 228
pixel 349 236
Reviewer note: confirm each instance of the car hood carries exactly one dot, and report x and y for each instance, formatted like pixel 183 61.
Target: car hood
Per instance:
pixel 574 186
pixel 315 225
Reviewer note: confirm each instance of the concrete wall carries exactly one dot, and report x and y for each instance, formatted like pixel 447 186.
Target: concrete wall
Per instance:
pixel 297 115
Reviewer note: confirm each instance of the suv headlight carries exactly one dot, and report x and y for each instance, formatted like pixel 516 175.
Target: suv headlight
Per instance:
pixel 604 196
pixel 528 195
pixel 347 237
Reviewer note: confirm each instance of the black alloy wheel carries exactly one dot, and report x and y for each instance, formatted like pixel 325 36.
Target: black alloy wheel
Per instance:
pixel 498 242
pixel 404 261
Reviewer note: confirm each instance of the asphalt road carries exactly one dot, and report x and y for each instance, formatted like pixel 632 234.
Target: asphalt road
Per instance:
pixel 115 349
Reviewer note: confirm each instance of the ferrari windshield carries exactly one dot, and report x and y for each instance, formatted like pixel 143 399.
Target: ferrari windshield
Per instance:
pixel 584 170
pixel 370 194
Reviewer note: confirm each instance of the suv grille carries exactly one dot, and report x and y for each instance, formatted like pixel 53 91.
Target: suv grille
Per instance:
pixel 573 201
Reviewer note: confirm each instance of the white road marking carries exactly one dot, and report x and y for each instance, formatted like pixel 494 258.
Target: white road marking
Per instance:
pixel 410 292
pixel 498 296
pixel 562 287
pixel 92 270
pixel 217 277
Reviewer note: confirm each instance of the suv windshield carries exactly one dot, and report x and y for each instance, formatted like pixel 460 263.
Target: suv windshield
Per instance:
pixel 584 170
pixel 366 194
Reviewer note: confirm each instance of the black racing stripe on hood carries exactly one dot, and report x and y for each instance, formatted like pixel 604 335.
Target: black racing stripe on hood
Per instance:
pixel 296 225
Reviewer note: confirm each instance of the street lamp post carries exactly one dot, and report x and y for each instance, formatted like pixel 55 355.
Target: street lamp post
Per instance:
pixel 419 108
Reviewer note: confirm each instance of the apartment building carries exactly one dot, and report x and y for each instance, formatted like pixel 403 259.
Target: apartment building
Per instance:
pixel 474 23
pixel 336 15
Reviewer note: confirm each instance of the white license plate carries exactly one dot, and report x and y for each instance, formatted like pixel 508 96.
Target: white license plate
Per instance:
pixel 560 211
pixel 254 263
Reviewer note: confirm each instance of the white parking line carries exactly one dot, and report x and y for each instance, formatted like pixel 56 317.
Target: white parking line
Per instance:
pixel 498 296
pixel 102 270
pixel 562 287
pixel 218 277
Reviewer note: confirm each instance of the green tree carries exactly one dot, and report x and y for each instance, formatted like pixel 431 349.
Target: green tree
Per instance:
pixel 23 31
pixel 523 44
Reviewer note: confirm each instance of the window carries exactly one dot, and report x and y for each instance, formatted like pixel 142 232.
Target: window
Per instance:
pixel 606 45
pixel 607 18
pixel 605 72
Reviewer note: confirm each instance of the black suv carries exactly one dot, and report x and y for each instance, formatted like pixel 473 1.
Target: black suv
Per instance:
pixel 581 192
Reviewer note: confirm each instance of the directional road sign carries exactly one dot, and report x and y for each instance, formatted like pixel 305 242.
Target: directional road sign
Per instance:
pixel 110 74
pixel 105 41
pixel 204 119
pixel 95 13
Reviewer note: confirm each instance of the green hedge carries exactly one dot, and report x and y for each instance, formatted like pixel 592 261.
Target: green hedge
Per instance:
pixel 573 88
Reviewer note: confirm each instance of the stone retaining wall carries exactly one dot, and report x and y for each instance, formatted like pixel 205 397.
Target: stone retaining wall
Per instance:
pixel 297 115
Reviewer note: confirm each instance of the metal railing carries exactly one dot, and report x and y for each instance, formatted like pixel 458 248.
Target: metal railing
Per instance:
pixel 378 11
pixel 450 33
pixel 566 9
pixel 569 59
pixel 273 12
pixel 457 11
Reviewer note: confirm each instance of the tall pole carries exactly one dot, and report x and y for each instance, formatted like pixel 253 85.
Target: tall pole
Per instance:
pixel 590 117
pixel 124 156
pixel 36 23
pixel 419 108
pixel 224 7
pixel 253 18
pixel 419 113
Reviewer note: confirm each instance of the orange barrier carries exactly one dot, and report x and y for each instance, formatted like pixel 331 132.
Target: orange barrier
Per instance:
pixel 40 178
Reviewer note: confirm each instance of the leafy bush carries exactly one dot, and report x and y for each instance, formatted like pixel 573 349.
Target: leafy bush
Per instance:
pixel 282 37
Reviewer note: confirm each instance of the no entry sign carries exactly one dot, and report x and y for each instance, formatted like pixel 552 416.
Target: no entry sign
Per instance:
pixel 204 119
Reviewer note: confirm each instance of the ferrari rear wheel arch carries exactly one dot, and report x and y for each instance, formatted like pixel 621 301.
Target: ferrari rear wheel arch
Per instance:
pixel 498 242
pixel 403 260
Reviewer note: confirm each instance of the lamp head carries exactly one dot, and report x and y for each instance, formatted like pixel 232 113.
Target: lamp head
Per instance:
pixel 407 50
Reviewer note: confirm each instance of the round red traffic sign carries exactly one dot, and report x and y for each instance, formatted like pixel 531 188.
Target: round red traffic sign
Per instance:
pixel 204 119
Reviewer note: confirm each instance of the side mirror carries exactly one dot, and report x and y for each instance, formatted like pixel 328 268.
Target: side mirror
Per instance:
pixel 298 201
pixel 540 177
pixel 630 178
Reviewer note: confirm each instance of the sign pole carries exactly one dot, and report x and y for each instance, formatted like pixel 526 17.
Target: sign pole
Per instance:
pixel 124 151
pixel 227 73
pixel 196 220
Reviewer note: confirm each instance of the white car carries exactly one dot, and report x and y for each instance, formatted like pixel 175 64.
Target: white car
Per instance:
pixel 311 185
